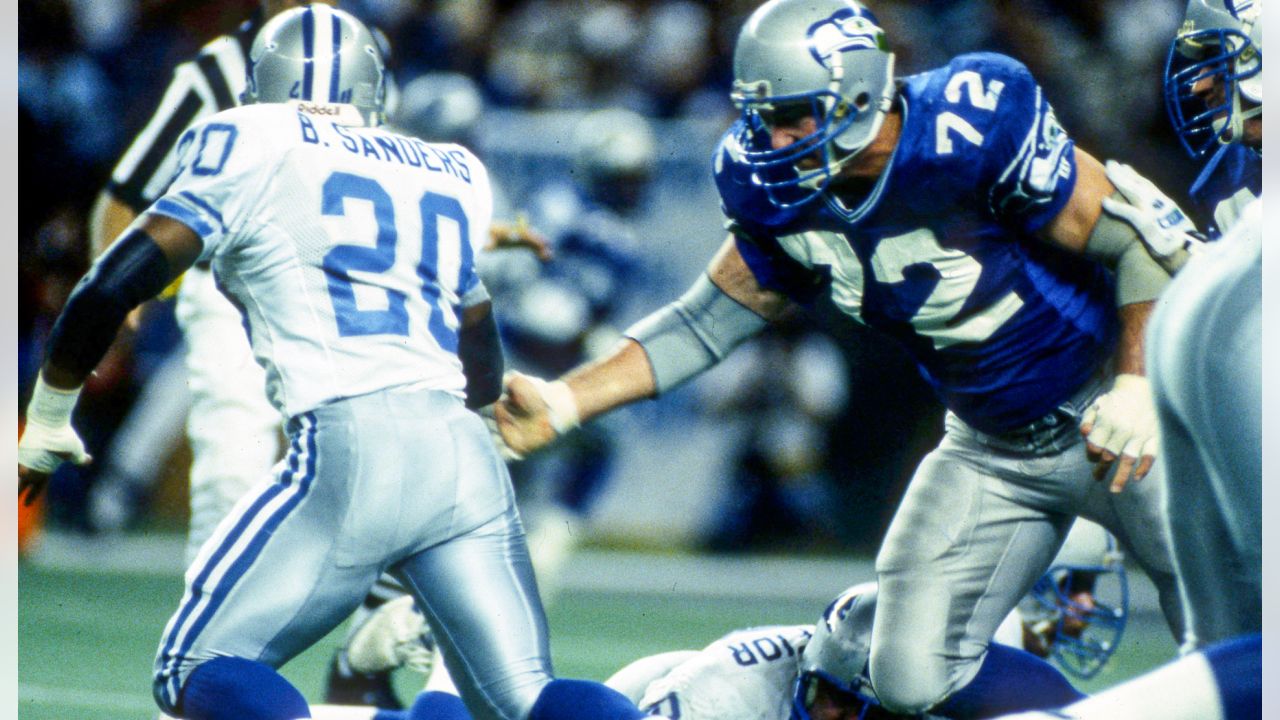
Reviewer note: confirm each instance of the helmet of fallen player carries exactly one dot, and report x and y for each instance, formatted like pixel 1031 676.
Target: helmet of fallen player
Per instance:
pixel 1078 609
pixel 317 53
pixel 1220 41
pixel 614 153
pixel 823 58
pixel 833 665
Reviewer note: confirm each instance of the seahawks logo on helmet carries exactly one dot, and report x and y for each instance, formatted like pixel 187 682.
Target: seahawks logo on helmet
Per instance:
pixel 847 29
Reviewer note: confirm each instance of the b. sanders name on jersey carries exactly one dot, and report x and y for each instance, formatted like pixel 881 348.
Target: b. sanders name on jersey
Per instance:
pixel 382 145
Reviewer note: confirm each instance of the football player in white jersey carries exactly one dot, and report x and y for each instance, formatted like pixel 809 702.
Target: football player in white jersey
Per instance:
pixel 234 432
pixel 349 251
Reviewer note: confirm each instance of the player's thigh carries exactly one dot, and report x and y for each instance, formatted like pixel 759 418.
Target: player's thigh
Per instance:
pixel 964 546
pixel 479 595
pixel 264 586
pixel 1220 597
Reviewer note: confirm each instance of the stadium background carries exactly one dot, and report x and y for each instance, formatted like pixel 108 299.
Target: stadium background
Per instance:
pixel 89 75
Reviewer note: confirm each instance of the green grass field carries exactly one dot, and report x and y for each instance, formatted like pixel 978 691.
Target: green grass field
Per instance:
pixel 87 637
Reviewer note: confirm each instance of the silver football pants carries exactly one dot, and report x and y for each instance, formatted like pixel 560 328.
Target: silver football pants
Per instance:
pixel 406 482
pixel 1205 357
pixel 980 522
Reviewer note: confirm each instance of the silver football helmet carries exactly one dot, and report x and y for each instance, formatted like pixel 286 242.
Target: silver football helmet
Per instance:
pixel 441 107
pixel 614 155
pixel 825 58
pixel 837 656
pixel 1078 609
pixel 319 54
pixel 1219 41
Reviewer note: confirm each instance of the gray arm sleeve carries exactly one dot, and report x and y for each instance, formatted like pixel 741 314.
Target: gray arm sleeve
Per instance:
pixel 1114 242
pixel 693 333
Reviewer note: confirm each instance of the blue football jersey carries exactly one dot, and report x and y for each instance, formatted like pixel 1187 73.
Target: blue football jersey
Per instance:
pixel 1229 181
pixel 941 252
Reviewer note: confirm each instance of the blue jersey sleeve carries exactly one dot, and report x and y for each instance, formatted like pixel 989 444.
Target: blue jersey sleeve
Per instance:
pixel 755 223
pixel 992 118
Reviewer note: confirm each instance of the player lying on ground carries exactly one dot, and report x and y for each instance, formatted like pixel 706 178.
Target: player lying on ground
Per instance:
pixel 782 672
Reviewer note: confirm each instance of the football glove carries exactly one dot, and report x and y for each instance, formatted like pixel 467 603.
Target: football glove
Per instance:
pixel 1122 422
pixel 1165 230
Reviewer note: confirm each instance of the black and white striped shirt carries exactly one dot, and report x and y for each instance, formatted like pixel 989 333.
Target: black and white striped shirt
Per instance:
pixel 200 87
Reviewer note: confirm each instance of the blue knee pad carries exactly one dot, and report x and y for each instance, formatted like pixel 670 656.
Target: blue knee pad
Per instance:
pixel 437 706
pixel 574 699
pixel 1010 680
pixel 232 688
pixel 1237 670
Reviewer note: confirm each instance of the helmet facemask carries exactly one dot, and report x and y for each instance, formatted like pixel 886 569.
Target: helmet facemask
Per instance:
pixel 826 60
pixel 1230 59
pixel 1080 631
pixel 811 683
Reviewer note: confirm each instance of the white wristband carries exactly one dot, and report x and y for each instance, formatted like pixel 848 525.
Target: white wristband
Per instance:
pixel 562 410
pixel 51 406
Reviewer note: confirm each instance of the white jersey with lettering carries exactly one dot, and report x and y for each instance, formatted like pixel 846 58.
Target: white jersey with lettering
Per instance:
pixel 347 249
pixel 746 675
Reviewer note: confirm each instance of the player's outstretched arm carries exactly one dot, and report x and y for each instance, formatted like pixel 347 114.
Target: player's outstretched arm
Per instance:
pixel 1121 423
pixel 723 308
pixel 138 266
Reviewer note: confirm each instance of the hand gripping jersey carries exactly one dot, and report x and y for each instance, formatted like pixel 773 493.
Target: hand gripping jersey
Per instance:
pixel 941 253
pixel 745 675
pixel 346 248
pixel 1229 181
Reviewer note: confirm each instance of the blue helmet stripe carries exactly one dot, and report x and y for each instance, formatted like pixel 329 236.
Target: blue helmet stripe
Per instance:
pixel 335 69
pixel 308 51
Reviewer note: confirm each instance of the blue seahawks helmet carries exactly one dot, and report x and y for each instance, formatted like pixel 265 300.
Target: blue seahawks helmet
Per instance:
pixel 1078 609
pixel 319 54
pixel 796 58
pixel 836 658
pixel 1219 41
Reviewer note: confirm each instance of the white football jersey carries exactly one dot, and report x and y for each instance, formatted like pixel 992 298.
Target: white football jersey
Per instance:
pixel 347 249
pixel 745 675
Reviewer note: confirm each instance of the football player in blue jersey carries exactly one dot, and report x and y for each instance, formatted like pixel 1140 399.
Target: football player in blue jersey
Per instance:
pixel 1213 91
pixel 1209 402
pixel 1206 369
pixel 950 210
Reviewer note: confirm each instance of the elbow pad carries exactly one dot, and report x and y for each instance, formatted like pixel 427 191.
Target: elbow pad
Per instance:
pixel 134 269
pixel 1139 277
pixel 693 333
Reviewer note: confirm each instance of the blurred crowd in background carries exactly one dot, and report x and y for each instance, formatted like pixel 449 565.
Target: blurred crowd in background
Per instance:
pixel 831 419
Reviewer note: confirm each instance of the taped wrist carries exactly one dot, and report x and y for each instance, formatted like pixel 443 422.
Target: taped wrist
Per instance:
pixel 1139 278
pixel 133 270
pixel 51 406
pixel 693 333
